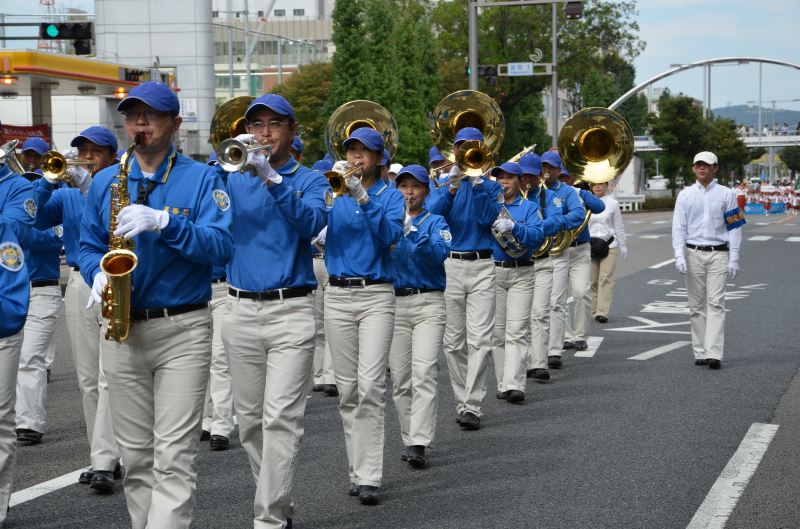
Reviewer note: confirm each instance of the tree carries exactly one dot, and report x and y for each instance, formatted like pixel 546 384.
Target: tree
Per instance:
pixel 679 129
pixel 731 152
pixel 791 157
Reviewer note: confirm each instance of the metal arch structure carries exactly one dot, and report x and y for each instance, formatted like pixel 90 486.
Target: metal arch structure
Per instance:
pixel 721 60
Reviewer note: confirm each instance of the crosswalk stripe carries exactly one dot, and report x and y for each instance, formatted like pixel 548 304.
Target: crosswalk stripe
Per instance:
pixel 593 342
pixel 793 239
pixel 760 238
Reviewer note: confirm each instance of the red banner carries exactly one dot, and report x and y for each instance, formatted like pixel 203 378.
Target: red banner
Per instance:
pixel 22 133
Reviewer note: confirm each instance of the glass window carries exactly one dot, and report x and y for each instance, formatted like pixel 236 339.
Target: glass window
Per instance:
pixel 299 12
pixel 280 13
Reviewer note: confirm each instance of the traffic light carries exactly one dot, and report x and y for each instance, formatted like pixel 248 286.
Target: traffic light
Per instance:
pixel 488 71
pixel 80 33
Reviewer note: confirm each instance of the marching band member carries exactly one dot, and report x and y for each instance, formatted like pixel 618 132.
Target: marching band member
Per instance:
pixel 580 269
pixel 33 149
pixel 360 306
pixel 297 148
pixel 268 329
pixel 469 207
pixel 515 284
pixel 419 317
pixel 156 380
pixel 435 159
pixel 573 212
pixel 14 297
pixel 607 226
pixel 706 237
pixel 64 206
pixel 552 221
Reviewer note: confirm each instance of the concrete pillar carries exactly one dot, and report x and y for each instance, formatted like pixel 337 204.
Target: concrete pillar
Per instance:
pixel 41 106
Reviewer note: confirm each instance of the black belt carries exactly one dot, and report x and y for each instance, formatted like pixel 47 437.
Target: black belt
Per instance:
pixel 150 314
pixel 318 256
pixel 354 282
pixel 44 283
pixel 576 243
pixel 717 248
pixel 412 291
pixel 471 256
pixel 223 279
pixel 270 295
pixel 516 263
pixel 76 268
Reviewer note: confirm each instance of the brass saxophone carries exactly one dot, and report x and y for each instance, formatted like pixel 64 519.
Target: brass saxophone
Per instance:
pixel 118 263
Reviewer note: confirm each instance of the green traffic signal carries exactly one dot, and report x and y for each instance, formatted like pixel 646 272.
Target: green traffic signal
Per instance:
pixel 52 31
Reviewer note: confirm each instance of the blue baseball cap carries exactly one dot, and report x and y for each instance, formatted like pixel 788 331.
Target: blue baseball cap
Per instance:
pixel 434 155
pixel 531 164
pixel 507 167
pixel 551 158
pixel 371 138
pixel 417 171
pixel 274 102
pixel 98 135
pixel 38 145
pixel 386 157
pixel 155 95
pixel 564 171
pixel 297 144
pixel 468 133
pixel 212 158
pixel 322 166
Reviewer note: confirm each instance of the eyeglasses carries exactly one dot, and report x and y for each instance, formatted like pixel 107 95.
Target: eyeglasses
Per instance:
pixel 148 115
pixel 272 124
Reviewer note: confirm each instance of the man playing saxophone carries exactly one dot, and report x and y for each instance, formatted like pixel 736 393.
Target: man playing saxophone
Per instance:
pixel 180 227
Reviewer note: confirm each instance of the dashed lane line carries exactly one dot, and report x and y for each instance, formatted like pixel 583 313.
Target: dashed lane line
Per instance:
pixel 652 353
pixel 760 238
pixel 663 264
pixel 31 493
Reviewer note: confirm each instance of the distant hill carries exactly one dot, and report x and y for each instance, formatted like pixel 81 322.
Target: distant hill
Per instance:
pixel 748 114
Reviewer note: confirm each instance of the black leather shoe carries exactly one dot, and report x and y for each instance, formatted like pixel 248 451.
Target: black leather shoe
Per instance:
pixel 354 489
pixel 103 482
pixel 601 319
pixel 581 345
pixel 554 362
pixel 540 375
pixel 218 442
pixel 331 390
pixel 368 495
pixel 701 362
pixel 514 396
pixel 86 476
pixel 205 435
pixel 48 375
pixel 459 417
pixel 404 455
pixel 713 363
pixel 416 456
pixel 118 471
pixel 501 395
pixel 568 345
pixel 470 421
pixel 288 523
pixel 29 437
pixel 318 387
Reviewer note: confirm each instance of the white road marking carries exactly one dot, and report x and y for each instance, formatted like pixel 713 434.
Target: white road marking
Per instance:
pixel 652 353
pixel 715 510
pixel 793 239
pixel 593 342
pixel 660 222
pixel 757 286
pixel 651 236
pixel 661 282
pixel 762 223
pixel 651 326
pixel 663 263
pixel 760 238
pixel 31 493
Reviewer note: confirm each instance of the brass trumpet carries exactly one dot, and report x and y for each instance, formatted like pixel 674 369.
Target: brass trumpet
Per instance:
pixel 338 181
pixel 232 154
pixel 473 157
pixel 8 156
pixel 54 165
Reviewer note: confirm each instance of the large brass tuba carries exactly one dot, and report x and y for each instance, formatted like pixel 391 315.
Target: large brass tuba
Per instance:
pixel 8 156
pixel 118 263
pixel 228 120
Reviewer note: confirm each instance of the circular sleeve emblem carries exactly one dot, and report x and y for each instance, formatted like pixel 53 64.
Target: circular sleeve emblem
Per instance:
pixel 11 256
pixel 30 207
pixel 59 231
pixel 446 236
pixel 222 199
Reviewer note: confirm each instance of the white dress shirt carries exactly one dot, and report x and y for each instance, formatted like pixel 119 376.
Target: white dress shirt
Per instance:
pixel 608 223
pixel 699 218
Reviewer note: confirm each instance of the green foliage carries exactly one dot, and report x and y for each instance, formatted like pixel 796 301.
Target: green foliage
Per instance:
pixel 791 157
pixel 659 203
pixel 731 152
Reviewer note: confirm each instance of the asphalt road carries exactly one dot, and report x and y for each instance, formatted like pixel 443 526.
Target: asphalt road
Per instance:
pixel 609 443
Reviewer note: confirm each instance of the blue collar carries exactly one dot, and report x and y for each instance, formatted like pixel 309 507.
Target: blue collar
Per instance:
pixel 161 174
pixel 289 168
pixel 377 188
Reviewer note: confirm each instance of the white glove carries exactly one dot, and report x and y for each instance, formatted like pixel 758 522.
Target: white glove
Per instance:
pixel 357 190
pixel 136 218
pixel 408 225
pixel 503 225
pixel 340 167
pixel 81 177
pixel 623 252
pixel 733 268
pixel 455 176
pixel 98 286
pixel 264 170
pixel 247 139
pixel 680 264
pixel 319 240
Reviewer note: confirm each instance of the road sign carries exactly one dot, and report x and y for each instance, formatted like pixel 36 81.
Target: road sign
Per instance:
pixel 520 69
pixel 524 69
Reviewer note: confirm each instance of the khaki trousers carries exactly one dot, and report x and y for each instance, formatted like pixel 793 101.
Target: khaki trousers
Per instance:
pixel 539 335
pixel 706 279
pixel 470 303
pixel 270 346
pixel 44 311
pixel 218 408
pixel 603 283
pixel 558 302
pixel 323 361
pixel 10 348
pixel 83 328
pixel 156 385
pixel 414 363
pixel 512 323
pixel 580 270
pixel 359 323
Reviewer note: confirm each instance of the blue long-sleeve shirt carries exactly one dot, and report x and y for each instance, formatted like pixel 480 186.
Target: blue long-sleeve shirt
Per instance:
pixel 571 205
pixel 64 206
pixel 43 253
pixel 527 229
pixel 469 213
pixel 174 264
pixel 359 237
pixel 419 256
pixel 16 202
pixel 273 227
pixel 14 285
pixel 548 211
pixel 593 204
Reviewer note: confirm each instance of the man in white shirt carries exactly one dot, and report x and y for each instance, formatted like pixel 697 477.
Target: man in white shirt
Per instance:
pixel 706 239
